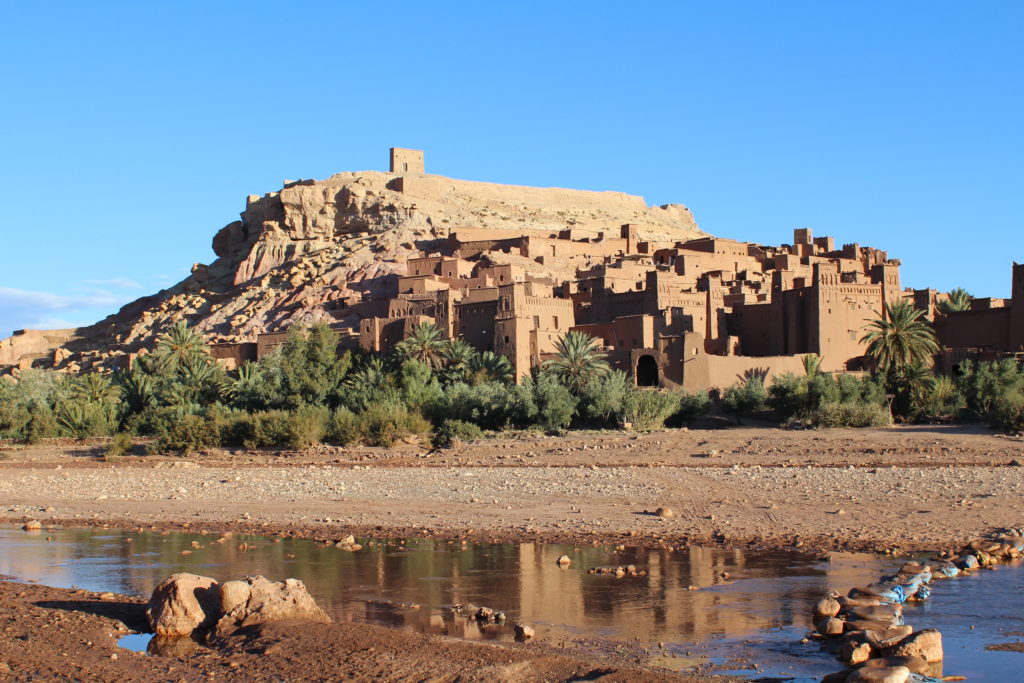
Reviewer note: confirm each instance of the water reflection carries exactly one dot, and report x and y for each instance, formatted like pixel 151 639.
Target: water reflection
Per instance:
pixel 763 591
pixel 741 596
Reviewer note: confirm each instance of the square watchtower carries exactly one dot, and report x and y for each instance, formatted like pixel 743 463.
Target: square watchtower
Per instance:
pixel 406 160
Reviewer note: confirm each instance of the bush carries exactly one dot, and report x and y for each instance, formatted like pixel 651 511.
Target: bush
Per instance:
pixel 386 423
pixel 83 419
pixel 985 386
pixel 267 429
pixel 691 406
pixel 555 405
pixel 601 399
pixel 843 415
pixel 647 408
pixel 452 432
pixel 186 435
pixel 490 405
pixel 743 399
pixel 120 445
pixel 1008 414
pixel 345 427
pixel 307 426
pixel 42 424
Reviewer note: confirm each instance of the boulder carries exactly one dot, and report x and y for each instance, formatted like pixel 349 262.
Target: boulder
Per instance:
pixel 33 525
pixel 232 594
pixel 891 674
pixel 926 644
pixel 270 601
pixel 829 626
pixel 665 513
pixel 826 607
pixel 867 625
pixel 917 665
pixel 524 632
pixel 882 638
pixel 183 603
pixel 564 561
pixel 879 613
pixel 854 652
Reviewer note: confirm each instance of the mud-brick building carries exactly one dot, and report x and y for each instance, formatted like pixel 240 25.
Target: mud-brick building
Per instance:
pixel 989 330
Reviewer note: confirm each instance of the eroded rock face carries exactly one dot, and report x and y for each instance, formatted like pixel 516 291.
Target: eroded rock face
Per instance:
pixel 266 601
pixel 183 603
pixel 306 252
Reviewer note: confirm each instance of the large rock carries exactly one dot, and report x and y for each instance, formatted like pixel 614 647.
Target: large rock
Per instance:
pixel 854 652
pixel 917 665
pixel 826 607
pixel 892 674
pixel 881 639
pixel 183 603
pixel 926 644
pixel 267 601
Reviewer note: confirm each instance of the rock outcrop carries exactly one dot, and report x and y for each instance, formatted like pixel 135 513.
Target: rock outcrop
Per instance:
pixel 309 251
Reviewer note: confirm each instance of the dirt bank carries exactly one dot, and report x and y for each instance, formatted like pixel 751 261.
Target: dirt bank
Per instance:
pixel 57 634
pixel 909 488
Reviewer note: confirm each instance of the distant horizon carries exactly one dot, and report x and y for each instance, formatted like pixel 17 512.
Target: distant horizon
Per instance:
pixel 136 132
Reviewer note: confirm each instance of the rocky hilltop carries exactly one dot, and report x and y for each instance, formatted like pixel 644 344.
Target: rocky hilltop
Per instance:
pixel 305 252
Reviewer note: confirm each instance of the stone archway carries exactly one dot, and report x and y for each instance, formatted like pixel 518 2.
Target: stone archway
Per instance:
pixel 646 371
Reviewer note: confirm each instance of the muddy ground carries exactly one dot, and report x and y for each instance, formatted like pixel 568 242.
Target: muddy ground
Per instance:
pixel 905 488
pixel 51 634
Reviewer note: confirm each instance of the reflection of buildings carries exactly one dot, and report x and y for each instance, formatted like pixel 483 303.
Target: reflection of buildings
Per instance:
pixel 770 591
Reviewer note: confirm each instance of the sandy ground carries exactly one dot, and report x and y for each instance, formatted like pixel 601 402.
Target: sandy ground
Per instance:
pixel 905 488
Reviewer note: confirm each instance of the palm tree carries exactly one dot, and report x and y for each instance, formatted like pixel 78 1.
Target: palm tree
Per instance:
pixel 959 300
pixel 578 361
pixel 179 346
pixel 491 367
pixel 459 358
pixel 899 339
pixel 812 364
pixel 425 343
pixel 94 388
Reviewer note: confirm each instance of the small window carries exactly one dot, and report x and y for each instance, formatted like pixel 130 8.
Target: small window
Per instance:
pixel 506 339
pixel 554 322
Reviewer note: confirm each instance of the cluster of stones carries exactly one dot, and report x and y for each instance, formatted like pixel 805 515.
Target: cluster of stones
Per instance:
pixel 619 571
pixel 185 605
pixel 866 626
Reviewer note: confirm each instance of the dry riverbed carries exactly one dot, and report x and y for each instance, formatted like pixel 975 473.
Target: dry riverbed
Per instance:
pixel 907 488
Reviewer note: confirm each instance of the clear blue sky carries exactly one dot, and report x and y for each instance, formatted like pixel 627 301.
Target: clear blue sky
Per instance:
pixel 133 131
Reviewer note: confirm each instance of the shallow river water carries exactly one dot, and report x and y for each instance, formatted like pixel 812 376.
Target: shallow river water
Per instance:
pixel 748 616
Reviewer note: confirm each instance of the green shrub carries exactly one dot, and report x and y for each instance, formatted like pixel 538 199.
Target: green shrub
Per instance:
pixel 985 386
pixel 451 432
pixel 555 404
pixel 345 427
pixel 120 445
pixel 691 406
pixel 601 399
pixel 186 435
pixel 83 419
pixel 1008 413
pixel 267 429
pixel 386 423
pixel 42 424
pixel 307 426
pixel 743 399
pixel 490 405
pixel 843 415
pixel 648 408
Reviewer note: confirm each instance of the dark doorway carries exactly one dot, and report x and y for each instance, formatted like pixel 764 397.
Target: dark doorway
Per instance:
pixel 646 372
